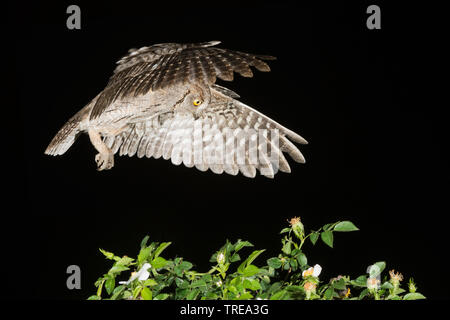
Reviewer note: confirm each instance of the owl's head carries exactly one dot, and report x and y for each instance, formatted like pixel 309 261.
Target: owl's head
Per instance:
pixel 195 100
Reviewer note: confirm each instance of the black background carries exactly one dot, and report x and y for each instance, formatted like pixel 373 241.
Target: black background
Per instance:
pixel 374 155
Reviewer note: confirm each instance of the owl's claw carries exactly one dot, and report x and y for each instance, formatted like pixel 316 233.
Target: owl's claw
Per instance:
pixel 105 161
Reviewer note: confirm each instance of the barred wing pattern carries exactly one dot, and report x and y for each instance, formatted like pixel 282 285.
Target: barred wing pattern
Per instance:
pixel 206 142
pixel 162 65
pixel 147 109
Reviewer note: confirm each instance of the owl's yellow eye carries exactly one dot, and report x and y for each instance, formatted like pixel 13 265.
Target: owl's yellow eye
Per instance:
pixel 197 102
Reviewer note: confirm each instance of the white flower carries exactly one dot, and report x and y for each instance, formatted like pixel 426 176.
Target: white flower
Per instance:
pixel 312 271
pixel 141 275
pixel 219 283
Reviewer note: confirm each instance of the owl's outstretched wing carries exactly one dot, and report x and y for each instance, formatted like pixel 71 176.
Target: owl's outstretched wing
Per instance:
pixel 204 142
pixel 162 65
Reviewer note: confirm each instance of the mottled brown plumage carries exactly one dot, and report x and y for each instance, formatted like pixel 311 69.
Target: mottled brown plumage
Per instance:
pixel 162 101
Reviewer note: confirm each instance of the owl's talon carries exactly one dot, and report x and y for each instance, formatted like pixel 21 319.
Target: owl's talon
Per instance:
pixel 105 161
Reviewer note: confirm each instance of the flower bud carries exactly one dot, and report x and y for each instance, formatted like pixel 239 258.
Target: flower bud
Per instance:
pixel 297 227
pixel 412 286
pixel 220 258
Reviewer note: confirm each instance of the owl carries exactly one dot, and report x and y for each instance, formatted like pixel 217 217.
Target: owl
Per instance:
pixel 163 101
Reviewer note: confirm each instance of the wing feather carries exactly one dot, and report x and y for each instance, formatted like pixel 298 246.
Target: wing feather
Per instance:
pixel 162 65
pixel 223 138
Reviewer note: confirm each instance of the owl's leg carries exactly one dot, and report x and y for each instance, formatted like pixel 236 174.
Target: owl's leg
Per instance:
pixel 105 157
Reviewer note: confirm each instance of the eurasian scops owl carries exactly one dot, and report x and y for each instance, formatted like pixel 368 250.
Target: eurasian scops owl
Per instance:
pixel 162 100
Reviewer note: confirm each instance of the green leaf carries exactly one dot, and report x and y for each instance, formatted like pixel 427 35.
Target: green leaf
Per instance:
pixel 198 283
pixel 181 283
pixel 274 287
pixel 182 267
pixel 414 296
pixel 110 284
pixel 149 283
pixel 274 263
pixel 295 290
pixel 327 238
pixel 287 247
pixel 294 264
pixel 327 226
pixel 345 226
pixel 328 295
pixel 399 290
pixel 232 289
pixel 117 291
pixel 340 284
pixel 250 270
pixel 117 269
pixel 125 261
pixel 210 296
pixel 240 244
pixel 314 237
pixel 126 294
pixel 227 248
pixel 387 285
pixel 207 277
pixel 213 257
pixel 108 255
pixel 100 286
pixel 146 293
pixel 161 248
pixel 144 254
pixel 361 281
pixel 302 260
pixel 181 293
pixel 249 260
pixel 94 297
pixel 236 281
pixel 186 265
pixel 158 263
pixel 245 296
pixel 144 242
pixel 285 230
pixel 136 291
pixel 363 293
pixel 162 296
pixel 235 257
pixel 193 294
pixel 279 295
pixel 252 284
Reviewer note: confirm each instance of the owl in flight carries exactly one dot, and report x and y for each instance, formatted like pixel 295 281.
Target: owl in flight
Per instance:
pixel 162 101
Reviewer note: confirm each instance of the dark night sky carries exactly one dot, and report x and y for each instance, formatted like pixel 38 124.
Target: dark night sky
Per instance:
pixel 374 155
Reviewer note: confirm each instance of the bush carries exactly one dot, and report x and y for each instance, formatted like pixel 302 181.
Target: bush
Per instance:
pixel 285 277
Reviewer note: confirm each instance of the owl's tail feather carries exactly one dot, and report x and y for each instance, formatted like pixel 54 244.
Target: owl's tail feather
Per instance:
pixel 65 137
